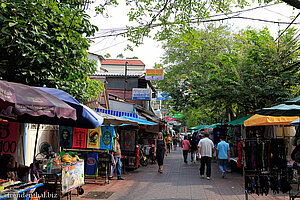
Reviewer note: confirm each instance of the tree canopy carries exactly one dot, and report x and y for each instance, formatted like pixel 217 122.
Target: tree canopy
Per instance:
pixel 169 16
pixel 44 42
pixel 215 72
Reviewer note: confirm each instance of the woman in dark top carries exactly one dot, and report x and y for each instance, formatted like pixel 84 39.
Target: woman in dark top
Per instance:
pixel 159 151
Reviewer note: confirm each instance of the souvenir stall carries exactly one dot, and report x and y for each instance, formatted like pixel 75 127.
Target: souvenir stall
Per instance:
pixel 94 146
pixel 265 155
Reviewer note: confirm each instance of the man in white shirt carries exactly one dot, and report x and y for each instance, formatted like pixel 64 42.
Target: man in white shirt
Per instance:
pixel 206 150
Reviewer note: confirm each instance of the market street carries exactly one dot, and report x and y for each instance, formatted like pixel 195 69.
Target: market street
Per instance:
pixel 179 181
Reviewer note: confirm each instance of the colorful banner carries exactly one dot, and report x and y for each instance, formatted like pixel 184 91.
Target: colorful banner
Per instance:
pixel 93 138
pixel 154 74
pixel 66 136
pixel 9 132
pixel 79 137
pixel 108 133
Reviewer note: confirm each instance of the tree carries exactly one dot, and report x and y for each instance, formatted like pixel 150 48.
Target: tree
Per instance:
pixel 169 16
pixel 43 42
pixel 216 72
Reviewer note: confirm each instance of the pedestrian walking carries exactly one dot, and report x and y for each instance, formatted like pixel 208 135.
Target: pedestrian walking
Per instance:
pixel 169 143
pixel 185 148
pixel 223 155
pixel 159 151
pixel 194 148
pixel 117 158
pixel 175 141
pixel 206 150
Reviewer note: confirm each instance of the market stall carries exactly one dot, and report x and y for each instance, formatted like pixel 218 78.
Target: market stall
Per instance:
pixel 265 155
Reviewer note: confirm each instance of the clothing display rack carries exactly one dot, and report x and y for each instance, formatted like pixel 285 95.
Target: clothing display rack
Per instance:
pixel 265 166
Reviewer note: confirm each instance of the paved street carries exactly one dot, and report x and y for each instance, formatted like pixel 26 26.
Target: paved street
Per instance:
pixel 179 181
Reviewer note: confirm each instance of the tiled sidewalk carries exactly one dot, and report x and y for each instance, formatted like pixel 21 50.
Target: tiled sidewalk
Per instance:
pixel 179 181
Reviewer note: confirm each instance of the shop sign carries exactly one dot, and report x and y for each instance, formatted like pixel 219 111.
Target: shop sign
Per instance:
pixel 161 96
pixel 169 118
pixel 141 94
pixel 9 132
pixel 176 116
pixel 154 74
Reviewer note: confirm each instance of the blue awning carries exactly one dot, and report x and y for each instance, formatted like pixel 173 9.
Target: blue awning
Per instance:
pixel 140 121
pixel 117 113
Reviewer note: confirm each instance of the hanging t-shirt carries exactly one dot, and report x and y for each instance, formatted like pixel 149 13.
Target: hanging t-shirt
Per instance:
pixel 91 164
pixel 66 136
pixel 79 137
pixel 108 133
pixel 93 138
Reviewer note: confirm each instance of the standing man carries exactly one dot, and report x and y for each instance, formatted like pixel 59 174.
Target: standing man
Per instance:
pixel 206 150
pixel 118 162
pixel 223 155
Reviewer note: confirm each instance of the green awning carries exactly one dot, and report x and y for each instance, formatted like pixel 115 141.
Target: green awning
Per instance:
pixel 239 121
pixel 199 127
pixel 295 101
pixel 280 110
pixel 214 125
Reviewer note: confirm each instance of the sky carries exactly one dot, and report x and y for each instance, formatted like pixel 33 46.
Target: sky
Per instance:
pixel 150 52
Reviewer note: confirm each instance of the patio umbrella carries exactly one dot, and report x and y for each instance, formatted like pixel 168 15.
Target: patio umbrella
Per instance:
pixel 261 120
pixel 23 103
pixel 281 110
pixel 86 117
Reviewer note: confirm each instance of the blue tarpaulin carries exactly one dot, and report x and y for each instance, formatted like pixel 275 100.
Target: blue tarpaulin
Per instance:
pixel 140 121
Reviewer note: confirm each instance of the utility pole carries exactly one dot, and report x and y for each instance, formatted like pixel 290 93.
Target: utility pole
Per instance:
pixel 125 80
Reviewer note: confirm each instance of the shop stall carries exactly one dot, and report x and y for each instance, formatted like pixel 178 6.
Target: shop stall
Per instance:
pixel 266 154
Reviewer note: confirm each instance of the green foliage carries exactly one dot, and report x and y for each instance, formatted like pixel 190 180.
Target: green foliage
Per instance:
pixel 43 42
pixel 169 16
pixel 214 72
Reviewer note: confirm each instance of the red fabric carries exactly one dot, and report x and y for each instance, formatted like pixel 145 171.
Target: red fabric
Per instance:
pixel 9 132
pixel 79 137
pixel 239 148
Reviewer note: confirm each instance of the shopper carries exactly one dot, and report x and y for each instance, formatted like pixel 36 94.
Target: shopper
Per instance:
pixel 194 148
pixel 159 151
pixel 117 158
pixel 206 150
pixel 185 148
pixel 169 143
pixel 223 155
pixel 175 141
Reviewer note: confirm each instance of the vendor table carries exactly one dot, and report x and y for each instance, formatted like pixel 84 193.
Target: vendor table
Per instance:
pixel 18 189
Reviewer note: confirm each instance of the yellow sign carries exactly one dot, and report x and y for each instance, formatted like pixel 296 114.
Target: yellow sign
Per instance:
pixel 154 74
